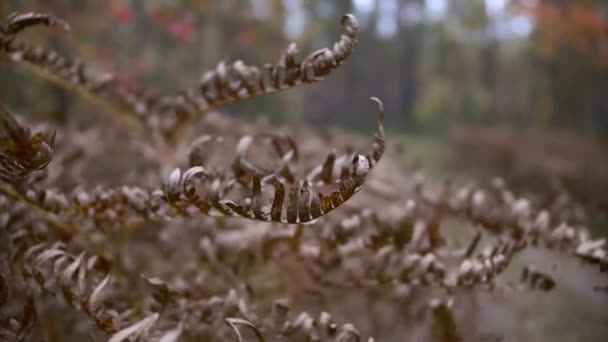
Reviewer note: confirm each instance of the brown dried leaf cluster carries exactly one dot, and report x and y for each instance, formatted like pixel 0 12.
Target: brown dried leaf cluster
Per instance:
pixel 20 152
pixel 249 233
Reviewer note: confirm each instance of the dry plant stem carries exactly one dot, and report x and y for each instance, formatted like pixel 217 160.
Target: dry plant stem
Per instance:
pixel 61 227
pixel 238 82
pixel 19 22
pixel 165 153
pixel 67 230
pixel 346 46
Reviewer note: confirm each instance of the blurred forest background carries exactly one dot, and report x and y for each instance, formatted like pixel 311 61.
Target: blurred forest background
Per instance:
pixel 519 86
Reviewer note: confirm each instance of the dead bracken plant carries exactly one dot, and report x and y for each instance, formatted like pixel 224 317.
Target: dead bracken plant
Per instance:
pixel 204 241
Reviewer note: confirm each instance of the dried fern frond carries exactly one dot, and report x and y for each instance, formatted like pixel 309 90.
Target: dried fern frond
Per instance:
pixel 101 89
pixel 136 331
pixel 20 152
pixel 228 83
pixel 19 22
pixel 234 322
pixel 210 317
pixel 536 279
pixel 237 81
pixel 83 281
pixel 131 259
pixel 291 203
pixel 67 72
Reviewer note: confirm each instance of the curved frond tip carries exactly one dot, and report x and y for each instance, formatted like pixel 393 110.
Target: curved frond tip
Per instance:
pixel 21 153
pixel 291 202
pixel 275 196
pixel 234 82
pixel 18 22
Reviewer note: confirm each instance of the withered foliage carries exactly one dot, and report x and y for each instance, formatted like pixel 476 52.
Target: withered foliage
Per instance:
pixel 22 153
pixel 244 232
